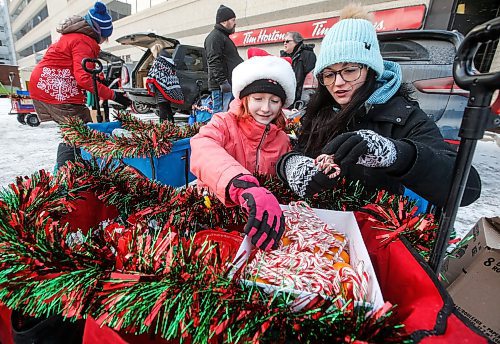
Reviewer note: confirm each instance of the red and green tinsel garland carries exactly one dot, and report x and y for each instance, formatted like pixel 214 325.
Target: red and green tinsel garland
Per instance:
pixel 142 271
pixel 143 139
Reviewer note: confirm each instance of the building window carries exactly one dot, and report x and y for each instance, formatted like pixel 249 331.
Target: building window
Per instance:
pixel 43 44
pixel 20 8
pixel 38 46
pixel 37 19
pixel 119 9
pixel 26 52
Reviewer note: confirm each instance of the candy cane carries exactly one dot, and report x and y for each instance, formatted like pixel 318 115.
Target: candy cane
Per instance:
pixel 302 264
pixel 327 165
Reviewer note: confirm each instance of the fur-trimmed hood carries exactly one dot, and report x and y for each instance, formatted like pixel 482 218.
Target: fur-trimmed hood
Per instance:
pixel 77 24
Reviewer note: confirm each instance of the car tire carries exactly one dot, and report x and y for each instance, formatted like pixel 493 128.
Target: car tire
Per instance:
pixel 32 120
pixel 140 108
pixel 20 119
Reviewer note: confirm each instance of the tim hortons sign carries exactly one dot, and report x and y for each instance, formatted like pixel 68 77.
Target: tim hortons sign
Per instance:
pixel 402 18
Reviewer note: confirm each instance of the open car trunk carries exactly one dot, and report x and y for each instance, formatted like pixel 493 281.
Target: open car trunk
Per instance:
pixel 145 40
pixel 190 65
pixel 426 58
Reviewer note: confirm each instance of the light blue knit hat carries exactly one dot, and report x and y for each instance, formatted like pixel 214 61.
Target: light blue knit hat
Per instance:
pixel 350 40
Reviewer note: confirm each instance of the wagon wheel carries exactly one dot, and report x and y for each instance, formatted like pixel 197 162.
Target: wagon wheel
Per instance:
pixel 140 108
pixel 20 118
pixel 32 120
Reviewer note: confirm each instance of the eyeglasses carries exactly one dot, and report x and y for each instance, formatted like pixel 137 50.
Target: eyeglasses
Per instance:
pixel 286 41
pixel 349 73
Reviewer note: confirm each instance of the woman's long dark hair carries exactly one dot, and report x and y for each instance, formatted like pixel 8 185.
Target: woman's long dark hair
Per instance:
pixel 321 123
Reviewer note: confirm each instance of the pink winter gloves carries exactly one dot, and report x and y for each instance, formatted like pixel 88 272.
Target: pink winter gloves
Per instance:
pixel 266 223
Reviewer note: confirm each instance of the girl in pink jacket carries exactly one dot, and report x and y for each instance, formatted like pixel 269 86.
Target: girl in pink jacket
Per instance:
pixel 248 139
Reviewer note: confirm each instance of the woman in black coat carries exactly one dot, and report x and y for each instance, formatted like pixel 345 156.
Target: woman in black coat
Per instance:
pixel 362 116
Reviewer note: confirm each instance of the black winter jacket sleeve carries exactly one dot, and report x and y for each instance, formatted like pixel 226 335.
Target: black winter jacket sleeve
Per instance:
pixel 431 174
pixel 222 57
pixel 303 62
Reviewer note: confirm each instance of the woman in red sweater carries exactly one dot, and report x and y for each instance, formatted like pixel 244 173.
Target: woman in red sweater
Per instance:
pixel 58 83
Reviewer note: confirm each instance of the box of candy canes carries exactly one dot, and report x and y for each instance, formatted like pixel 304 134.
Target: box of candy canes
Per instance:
pixel 321 252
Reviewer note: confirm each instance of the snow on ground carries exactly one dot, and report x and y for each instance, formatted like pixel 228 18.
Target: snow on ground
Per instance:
pixel 487 162
pixel 24 150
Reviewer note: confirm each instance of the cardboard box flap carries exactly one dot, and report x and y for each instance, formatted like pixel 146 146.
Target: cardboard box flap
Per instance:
pixel 475 291
pixel 492 232
pixel 485 233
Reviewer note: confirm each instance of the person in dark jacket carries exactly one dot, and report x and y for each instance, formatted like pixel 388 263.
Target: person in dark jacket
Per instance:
pixel 58 82
pixel 303 58
pixel 362 120
pixel 222 57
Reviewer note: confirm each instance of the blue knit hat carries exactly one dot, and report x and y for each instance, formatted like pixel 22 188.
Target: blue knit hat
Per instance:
pixel 100 16
pixel 351 40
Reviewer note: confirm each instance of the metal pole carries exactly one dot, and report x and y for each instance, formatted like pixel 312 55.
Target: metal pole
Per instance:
pixel 96 94
pixel 473 126
pixel 474 123
pixel 462 169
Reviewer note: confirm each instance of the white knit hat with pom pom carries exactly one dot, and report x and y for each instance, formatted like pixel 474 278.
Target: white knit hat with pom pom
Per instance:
pixel 264 73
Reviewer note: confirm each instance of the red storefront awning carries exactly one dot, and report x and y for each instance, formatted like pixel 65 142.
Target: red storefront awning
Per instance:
pixel 402 18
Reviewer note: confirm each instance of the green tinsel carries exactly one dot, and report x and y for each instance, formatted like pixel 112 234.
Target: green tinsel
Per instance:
pixel 131 193
pixel 144 139
pixel 187 300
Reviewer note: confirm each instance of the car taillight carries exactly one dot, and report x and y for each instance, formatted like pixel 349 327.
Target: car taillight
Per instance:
pixel 125 77
pixel 444 85
pixel 495 107
pixel 455 143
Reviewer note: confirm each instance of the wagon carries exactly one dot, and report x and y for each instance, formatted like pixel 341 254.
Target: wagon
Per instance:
pixel 23 108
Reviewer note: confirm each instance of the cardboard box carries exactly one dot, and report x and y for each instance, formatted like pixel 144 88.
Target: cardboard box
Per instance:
pixel 344 222
pixel 463 254
pixel 476 291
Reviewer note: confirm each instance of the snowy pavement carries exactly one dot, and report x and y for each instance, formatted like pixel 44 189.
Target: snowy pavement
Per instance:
pixel 24 150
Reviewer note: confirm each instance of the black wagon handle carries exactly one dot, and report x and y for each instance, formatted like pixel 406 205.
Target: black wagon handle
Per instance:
pixel 474 122
pixel 97 66
pixel 463 68
pixel 94 71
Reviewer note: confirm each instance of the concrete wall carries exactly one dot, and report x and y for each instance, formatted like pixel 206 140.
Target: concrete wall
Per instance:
pixel 191 20
pixel 198 18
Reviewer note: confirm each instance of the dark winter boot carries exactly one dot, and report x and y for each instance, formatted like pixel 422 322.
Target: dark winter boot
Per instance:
pixel 52 330
pixel 66 152
pixel 165 112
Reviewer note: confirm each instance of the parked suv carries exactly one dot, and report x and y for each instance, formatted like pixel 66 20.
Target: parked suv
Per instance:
pixel 426 58
pixel 190 63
